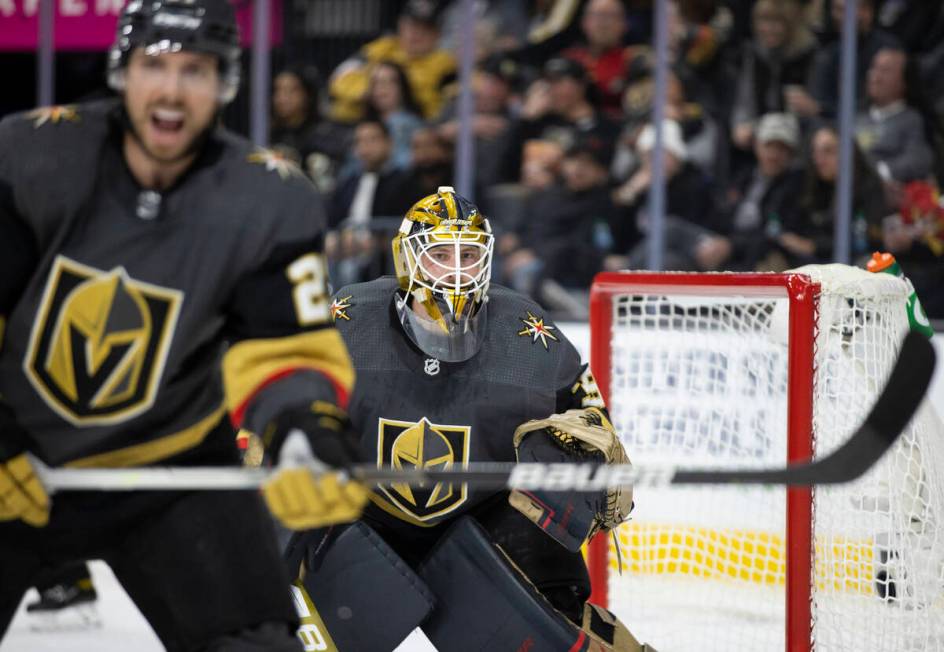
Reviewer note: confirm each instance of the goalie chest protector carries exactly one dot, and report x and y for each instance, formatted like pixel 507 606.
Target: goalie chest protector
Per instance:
pixel 414 410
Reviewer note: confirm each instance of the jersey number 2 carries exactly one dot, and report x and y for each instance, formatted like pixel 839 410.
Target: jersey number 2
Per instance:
pixel 310 293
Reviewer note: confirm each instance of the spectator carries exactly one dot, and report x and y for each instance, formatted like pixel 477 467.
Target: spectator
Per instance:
pixel 692 236
pixel 930 64
pixel 911 22
pixel 566 233
pixel 891 133
pixel 493 121
pixel 508 203
pixel 379 189
pixel 558 108
pixel 390 98
pixel 915 235
pixel 699 31
pixel 298 132
pixel 604 53
pixel 821 97
pixel 508 19
pixel 763 198
pixel 554 25
pixel 541 164
pixel 415 47
pixel 700 131
pixel 808 238
pixel 778 56
pixel 432 163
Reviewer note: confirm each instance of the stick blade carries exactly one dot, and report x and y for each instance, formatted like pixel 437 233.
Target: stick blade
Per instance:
pixel 904 390
pixel 896 405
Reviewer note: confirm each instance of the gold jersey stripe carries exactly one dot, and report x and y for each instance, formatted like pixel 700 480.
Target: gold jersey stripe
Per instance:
pixel 393 510
pixel 156 450
pixel 247 365
pixel 312 631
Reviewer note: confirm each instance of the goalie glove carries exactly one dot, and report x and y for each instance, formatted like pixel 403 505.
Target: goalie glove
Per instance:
pixel 572 517
pixel 306 443
pixel 22 495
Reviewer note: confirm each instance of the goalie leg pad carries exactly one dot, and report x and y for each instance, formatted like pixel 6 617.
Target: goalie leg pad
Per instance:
pixel 474 582
pixel 560 575
pixel 609 632
pixel 366 596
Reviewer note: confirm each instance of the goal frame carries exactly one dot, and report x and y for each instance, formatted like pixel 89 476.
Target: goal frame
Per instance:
pixel 803 296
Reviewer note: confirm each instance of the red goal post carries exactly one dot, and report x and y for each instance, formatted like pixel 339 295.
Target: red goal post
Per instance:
pixel 801 293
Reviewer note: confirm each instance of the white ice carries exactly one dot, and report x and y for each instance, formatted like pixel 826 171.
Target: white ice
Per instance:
pixel 123 627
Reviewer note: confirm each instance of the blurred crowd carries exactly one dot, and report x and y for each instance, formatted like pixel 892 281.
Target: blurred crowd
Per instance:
pixel 562 128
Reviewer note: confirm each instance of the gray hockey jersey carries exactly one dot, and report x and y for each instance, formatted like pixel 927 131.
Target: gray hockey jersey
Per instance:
pixel 119 305
pixel 413 410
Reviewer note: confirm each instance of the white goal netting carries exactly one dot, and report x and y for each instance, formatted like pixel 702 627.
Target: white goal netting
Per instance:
pixel 703 380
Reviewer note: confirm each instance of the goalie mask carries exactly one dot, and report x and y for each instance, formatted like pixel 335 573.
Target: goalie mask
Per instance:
pixel 443 259
pixel 161 26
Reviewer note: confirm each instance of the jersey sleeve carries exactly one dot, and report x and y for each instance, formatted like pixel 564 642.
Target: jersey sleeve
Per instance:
pixel 19 251
pixel 576 387
pixel 580 393
pixel 18 248
pixel 284 350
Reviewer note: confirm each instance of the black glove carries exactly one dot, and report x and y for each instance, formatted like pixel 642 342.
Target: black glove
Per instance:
pixel 327 428
pixel 300 498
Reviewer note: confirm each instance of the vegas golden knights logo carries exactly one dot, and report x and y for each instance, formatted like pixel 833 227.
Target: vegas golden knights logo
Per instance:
pixel 409 445
pixel 99 343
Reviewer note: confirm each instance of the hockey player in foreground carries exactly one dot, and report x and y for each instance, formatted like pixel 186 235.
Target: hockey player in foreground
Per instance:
pixel 450 372
pixel 135 238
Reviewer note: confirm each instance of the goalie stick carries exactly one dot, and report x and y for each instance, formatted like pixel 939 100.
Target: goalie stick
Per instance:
pixel 903 393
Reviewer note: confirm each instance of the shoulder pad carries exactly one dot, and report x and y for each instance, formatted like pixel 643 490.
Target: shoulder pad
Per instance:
pixel 84 122
pixel 258 163
pixel 53 115
pixel 57 151
pixel 362 298
pixel 275 163
pixel 526 343
pixel 512 310
pixel 275 194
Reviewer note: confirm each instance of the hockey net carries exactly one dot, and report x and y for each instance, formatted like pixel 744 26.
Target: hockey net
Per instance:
pixel 743 370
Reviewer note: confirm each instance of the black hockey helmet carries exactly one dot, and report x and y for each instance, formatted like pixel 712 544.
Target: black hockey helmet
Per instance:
pixel 174 25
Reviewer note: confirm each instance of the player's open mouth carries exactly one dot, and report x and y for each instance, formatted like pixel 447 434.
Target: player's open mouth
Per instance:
pixel 167 120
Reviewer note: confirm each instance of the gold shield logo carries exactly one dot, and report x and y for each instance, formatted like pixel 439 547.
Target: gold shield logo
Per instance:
pixel 421 444
pixel 99 343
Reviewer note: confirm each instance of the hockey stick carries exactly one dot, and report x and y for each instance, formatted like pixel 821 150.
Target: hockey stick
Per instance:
pixel 903 393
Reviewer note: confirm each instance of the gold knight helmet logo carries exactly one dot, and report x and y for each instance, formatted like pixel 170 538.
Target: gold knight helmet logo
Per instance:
pixel 407 445
pixel 99 343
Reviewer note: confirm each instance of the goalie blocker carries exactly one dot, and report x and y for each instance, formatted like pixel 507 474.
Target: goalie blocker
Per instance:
pixel 573 517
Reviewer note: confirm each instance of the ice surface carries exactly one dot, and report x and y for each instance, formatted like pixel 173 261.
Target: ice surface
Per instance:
pixel 123 626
